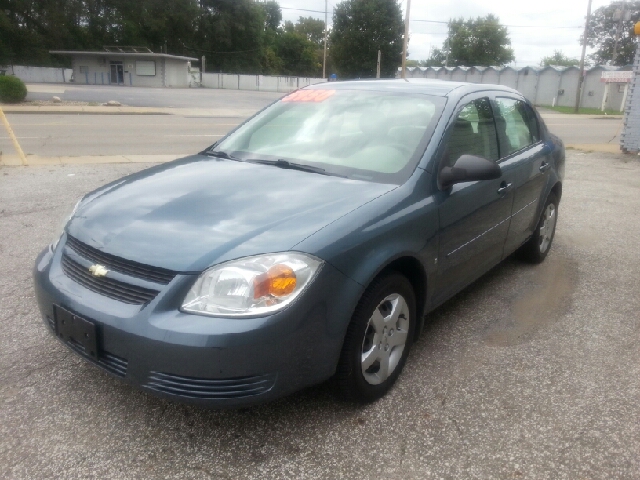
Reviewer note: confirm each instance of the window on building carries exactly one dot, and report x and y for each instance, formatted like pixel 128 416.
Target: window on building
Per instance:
pixel 145 68
pixel 84 69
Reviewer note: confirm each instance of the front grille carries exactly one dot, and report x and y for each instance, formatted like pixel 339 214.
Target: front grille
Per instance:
pixel 210 389
pixel 127 267
pixel 123 292
pixel 110 362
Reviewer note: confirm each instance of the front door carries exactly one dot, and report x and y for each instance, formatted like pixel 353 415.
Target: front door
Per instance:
pixel 474 216
pixel 521 146
pixel 117 73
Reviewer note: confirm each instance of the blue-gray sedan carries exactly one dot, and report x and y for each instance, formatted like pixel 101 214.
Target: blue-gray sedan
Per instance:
pixel 308 243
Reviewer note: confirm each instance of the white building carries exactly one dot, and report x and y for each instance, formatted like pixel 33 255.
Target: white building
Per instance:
pixel 131 66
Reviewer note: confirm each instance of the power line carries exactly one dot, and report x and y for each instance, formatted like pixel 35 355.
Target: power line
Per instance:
pixel 217 53
pixel 502 25
pixel 302 9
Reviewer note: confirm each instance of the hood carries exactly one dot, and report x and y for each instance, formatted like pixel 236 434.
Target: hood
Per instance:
pixel 190 214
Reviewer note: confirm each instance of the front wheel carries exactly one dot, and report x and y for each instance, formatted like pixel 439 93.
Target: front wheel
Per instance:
pixel 378 339
pixel 538 246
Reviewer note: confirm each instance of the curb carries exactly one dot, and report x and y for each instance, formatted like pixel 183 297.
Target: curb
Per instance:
pixel 35 160
pixel 595 147
pixel 85 110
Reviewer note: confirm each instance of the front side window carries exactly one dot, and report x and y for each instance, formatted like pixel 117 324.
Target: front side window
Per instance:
pixel 367 135
pixel 517 125
pixel 473 133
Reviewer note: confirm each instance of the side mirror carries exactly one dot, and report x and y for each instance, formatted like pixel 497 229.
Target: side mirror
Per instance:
pixel 469 168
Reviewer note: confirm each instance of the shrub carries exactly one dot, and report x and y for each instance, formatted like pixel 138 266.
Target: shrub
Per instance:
pixel 12 89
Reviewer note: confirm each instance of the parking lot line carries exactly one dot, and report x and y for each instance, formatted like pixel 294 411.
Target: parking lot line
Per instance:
pixel 16 144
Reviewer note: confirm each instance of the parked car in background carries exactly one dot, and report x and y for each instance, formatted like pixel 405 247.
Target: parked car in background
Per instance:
pixel 310 242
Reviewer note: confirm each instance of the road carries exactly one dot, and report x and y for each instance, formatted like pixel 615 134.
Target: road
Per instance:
pixel 531 373
pixel 584 129
pixel 75 135
pixel 197 122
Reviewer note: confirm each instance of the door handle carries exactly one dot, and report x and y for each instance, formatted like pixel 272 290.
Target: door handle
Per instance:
pixel 504 188
pixel 545 166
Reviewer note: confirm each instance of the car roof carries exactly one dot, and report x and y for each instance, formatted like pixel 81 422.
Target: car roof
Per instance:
pixel 439 88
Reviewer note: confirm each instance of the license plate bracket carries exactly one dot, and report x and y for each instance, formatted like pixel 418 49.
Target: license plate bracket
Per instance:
pixel 74 329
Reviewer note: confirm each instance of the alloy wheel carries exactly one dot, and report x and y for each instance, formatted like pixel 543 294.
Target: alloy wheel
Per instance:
pixel 385 339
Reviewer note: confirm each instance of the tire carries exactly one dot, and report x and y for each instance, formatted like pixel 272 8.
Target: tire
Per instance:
pixel 386 315
pixel 538 246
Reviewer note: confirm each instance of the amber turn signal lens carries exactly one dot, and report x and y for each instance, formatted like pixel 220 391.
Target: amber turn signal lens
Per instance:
pixel 278 281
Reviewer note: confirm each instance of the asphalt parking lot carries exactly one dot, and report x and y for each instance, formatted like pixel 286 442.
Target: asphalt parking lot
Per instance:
pixel 532 372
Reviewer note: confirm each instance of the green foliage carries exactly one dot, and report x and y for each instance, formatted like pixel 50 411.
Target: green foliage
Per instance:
pixel 474 42
pixel 12 89
pixel 298 55
pixel 273 15
pixel 312 29
pixel 231 35
pixel 360 29
pixel 601 35
pixel 235 36
pixel 559 59
pixel 418 63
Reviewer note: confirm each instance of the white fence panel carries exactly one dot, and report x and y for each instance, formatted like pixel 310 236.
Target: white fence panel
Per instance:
pixel 287 84
pixel 229 82
pixel 248 82
pixel 39 74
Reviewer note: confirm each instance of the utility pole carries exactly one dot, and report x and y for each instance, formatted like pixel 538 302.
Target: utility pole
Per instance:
pixel 447 45
pixel 446 59
pixel 324 58
pixel 584 51
pixel 378 68
pixel 622 13
pixel 406 41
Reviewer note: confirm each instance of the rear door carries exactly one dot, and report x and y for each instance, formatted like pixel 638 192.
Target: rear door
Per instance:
pixel 522 149
pixel 474 216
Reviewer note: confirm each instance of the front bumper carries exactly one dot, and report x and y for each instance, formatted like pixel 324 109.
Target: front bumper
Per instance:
pixel 218 362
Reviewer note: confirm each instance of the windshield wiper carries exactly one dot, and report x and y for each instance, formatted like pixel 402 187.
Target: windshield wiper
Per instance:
pixel 220 154
pixel 291 166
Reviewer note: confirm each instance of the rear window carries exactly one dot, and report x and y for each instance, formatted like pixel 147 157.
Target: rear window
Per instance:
pixel 367 135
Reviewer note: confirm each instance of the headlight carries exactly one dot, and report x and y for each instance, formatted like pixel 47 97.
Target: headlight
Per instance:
pixel 251 286
pixel 62 226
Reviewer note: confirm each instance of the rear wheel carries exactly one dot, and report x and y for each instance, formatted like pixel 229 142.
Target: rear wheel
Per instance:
pixel 378 339
pixel 538 246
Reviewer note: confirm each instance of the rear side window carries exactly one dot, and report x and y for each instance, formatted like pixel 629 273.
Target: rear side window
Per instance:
pixel 517 125
pixel 473 133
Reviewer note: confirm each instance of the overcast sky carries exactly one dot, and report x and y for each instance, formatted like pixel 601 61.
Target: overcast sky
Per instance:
pixel 534 26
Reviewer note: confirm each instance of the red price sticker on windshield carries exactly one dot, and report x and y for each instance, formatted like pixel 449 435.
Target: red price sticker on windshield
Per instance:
pixel 309 96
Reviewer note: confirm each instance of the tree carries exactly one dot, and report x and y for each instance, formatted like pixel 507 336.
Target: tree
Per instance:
pixel 601 35
pixel 236 36
pixel 475 42
pixel 231 34
pixel 311 28
pixel 360 29
pixel 298 54
pixel 273 15
pixel 559 59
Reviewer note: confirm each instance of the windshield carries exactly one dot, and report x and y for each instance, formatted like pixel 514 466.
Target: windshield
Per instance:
pixel 368 135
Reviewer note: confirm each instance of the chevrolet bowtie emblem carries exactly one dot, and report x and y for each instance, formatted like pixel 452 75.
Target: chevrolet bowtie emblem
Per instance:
pixel 98 270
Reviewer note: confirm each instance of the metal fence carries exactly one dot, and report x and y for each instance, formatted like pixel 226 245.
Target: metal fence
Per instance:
pixel 630 137
pixel 549 86
pixel 262 83
pixel 39 74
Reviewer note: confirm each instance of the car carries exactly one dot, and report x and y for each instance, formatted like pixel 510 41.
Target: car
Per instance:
pixel 309 243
